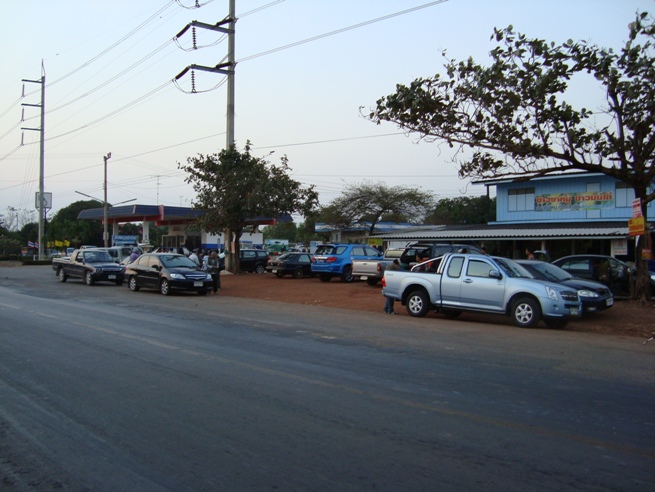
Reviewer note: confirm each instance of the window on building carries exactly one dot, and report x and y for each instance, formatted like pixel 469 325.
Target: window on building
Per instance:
pixel 521 199
pixel 624 195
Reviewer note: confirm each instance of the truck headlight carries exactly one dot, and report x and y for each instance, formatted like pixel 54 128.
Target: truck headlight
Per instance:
pixel 552 293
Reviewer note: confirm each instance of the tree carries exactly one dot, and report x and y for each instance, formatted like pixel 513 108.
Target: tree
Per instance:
pixel 235 188
pixel 463 210
pixel 16 218
pixel 286 230
pixel 371 202
pixel 65 225
pixel 513 115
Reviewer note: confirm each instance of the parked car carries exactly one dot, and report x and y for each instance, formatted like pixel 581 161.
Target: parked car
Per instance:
pixel 167 272
pixel 372 271
pixel 253 260
pixel 296 264
pixel 593 295
pixel 336 260
pixel 91 265
pixel 604 269
pixel 480 283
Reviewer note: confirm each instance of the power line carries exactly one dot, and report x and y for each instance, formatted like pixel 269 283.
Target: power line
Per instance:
pixel 339 31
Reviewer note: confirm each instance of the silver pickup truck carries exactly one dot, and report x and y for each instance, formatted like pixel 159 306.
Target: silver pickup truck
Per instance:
pixel 456 283
pixel 373 270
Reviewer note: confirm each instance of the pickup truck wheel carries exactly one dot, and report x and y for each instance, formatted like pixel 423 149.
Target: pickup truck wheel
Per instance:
pixel 372 281
pixel 61 275
pixel 451 313
pixel 418 303
pixel 297 273
pixel 325 277
pixel 132 284
pixel 526 312
pixel 164 287
pixel 347 275
pixel 88 279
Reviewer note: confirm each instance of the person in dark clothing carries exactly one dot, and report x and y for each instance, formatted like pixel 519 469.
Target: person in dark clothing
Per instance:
pixel 212 265
pixel 388 307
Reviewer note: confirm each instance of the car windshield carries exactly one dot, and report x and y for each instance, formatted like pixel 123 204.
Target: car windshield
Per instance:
pixel 97 256
pixel 177 261
pixel 512 269
pixel 549 272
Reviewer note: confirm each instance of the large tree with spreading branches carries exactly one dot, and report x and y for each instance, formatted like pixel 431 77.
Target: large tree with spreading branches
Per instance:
pixel 369 203
pixel 514 116
pixel 234 189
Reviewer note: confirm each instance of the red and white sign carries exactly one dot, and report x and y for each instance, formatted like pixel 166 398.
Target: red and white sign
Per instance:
pixel 636 208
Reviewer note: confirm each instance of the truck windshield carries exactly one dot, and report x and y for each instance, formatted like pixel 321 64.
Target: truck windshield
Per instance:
pixel 512 269
pixel 97 256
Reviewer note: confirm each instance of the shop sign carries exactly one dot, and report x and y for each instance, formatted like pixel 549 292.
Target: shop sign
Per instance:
pixel 561 202
pixel 636 226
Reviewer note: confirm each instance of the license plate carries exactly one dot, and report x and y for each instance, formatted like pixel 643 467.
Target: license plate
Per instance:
pixel 575 312
pixel 197 284
pixel 274 270
pixel 111 277
pixel 610 301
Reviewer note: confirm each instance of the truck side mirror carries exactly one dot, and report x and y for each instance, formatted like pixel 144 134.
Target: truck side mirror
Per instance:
pixel 495 274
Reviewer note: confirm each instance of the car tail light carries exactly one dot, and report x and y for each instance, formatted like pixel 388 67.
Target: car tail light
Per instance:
pixel 379 267
pixel 384 282
pixel 331 259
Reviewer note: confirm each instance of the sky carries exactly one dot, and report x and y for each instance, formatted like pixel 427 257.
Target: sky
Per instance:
pixel 304 70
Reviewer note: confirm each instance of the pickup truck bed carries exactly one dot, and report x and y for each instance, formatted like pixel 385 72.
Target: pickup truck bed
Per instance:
pixel 372 270
pixel 480 283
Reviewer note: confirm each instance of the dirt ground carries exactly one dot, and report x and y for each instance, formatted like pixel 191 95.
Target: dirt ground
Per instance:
pixel 625 318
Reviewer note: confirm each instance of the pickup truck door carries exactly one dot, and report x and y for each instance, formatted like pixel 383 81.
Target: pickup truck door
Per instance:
pixel 479 290
pixel 451 282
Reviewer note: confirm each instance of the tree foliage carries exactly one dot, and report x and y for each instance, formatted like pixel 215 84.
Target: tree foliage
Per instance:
pixel 369 203
pixel 65 225
pixel 513 115
pixel 235 188
pixel 463 210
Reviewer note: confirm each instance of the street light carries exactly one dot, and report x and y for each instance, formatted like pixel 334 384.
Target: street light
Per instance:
pixel 105 234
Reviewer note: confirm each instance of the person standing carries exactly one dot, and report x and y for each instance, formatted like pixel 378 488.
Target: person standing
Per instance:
pixel 194 257
pixel 388 306
pixel 135 254
pixel 529 254
pixel 212 265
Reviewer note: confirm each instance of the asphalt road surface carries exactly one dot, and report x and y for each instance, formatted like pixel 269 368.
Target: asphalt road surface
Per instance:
pixel 103 389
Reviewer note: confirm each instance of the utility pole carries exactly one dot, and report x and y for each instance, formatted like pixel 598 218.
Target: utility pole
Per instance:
pixel 41 198
pixel 105 233
pixel 230 77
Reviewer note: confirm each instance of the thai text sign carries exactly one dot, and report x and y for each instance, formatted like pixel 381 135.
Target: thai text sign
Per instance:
pixel 587 200
pixel 636 226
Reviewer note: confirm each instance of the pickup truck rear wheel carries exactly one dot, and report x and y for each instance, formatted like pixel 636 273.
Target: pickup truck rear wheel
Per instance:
pixel 61 275
pixel 347 275
pixel 526 312
pixel 88 278
pixel 418 303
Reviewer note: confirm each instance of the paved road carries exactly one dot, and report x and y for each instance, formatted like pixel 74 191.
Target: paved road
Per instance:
pixel 104 389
